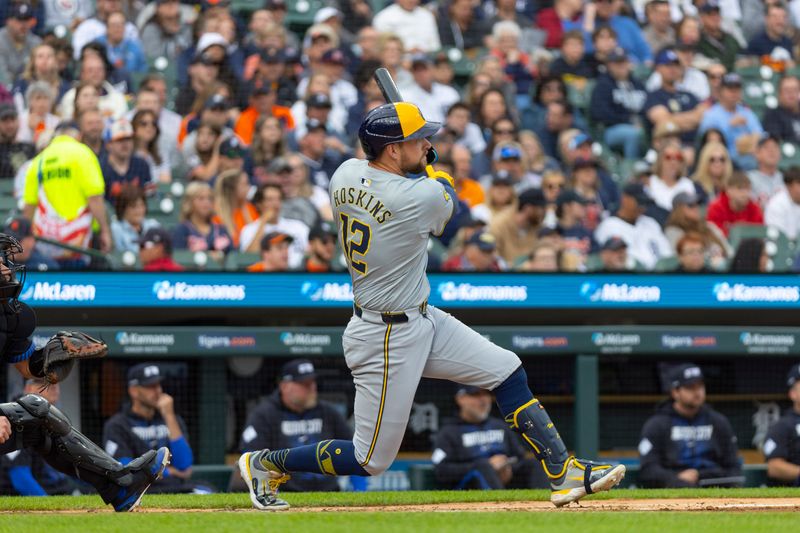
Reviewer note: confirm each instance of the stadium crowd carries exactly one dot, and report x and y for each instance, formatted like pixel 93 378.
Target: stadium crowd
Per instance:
pixel 605 135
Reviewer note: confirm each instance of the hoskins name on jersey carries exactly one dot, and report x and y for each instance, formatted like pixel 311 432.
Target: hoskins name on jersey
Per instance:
pixel 363 199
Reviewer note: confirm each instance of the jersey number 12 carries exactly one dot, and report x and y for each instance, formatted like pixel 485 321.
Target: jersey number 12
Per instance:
pixel 355 241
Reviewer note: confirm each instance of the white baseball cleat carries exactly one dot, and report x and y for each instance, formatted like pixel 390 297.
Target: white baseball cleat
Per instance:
pixel 262 482
pixel 583 478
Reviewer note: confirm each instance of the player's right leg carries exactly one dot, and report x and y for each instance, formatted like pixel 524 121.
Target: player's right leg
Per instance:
pixel 386 361
pixel 463 355
pixel 45 429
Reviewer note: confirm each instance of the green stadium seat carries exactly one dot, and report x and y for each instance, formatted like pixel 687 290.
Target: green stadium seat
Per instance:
pixel 124 261
pixel 246 6
pixel 594 263
pixel 300 14
pixel 667 264
pixel 581 98
pixel 745 231
pixel 790 156
pixel 197 261
pixel 236 261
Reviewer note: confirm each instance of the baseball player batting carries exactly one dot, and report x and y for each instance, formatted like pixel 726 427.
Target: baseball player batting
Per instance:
pixel 394 337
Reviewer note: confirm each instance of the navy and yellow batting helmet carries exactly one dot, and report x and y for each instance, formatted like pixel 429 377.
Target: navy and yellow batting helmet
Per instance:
pixel 393 123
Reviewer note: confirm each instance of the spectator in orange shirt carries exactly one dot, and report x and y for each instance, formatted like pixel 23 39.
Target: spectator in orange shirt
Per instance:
pixel 469 191
pixel 274 253
pixel 233 209
pixel 262 103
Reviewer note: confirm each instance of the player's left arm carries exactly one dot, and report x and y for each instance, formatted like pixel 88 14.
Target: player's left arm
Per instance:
pixel 437 204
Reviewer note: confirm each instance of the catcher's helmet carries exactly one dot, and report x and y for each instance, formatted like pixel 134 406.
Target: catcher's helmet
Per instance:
pixel 393 123
pixel 12 277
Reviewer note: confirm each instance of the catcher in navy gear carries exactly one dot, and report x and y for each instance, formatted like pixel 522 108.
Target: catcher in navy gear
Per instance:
pixel 32 423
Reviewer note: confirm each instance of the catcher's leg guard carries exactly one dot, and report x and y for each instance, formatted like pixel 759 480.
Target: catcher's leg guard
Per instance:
pixel 46 429
pixel 534 424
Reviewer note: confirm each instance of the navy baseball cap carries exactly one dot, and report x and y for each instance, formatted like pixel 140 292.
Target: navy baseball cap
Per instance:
pixel 144 374
pixel 232 148
pixel 319 100
pixel 298 370
pixel 685 198
pixel 794 375
pixel 273 238
pixel 667 57
pixel 155 236
pixel 686 374
pixel 533 197
pixel 19 228
pixel 617 55
pixel 570 195
pixel 614 244
pixel 273 55
pixel 334 56
pixel 21 11
pixel 502 178
pixel 322 230
pixel 8 110
pixel 217 101
pixel 710 6
pixel 732 79
pixel 470 390
pixel 637 192
pixel 484 241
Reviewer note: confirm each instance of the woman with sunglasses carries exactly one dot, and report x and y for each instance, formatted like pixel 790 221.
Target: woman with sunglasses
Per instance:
pixel 669 178
pixel 145 136
pixel 714 167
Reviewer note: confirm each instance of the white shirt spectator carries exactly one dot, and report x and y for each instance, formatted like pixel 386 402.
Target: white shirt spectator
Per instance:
pixel 91 29
pixel 646 242
pixel 294 228
pixel 169 125
pixel 693 82
pixel 782 213
pixel 765 186
pixel 343 96
pixel 25 133
pixel 433 104
pixel 472 139
pixel 112 104
pixel 416 28
pixel 662 194
pixel 59 12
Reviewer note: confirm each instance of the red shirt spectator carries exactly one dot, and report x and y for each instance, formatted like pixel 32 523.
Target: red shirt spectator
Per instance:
pixel 734 205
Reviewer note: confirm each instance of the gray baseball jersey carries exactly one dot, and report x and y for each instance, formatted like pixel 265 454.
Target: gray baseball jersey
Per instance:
pixel 384 221
pixel 394 339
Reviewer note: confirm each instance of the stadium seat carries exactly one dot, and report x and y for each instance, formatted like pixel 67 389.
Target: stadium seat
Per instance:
pixel 667 264
pixel 237 261
pixel 300 14
pixel 124 261
pixel 790 156
pixel 198 261
pixel 745 231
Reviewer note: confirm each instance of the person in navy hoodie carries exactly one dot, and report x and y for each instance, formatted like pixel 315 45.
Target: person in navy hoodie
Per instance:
pixel 687 443
pixel 617 102
pixel 475 450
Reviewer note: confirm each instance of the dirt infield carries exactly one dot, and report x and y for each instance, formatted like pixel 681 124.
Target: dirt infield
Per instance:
pixel 734 504
pixel 628 505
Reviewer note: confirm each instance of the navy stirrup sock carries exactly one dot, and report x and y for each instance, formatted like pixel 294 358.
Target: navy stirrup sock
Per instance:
pixel 331 457
pixel 513 392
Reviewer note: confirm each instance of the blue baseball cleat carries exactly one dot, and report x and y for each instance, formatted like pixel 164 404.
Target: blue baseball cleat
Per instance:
pixel 145 469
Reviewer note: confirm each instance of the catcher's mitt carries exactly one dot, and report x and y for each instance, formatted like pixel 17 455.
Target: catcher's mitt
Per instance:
pixel 63 348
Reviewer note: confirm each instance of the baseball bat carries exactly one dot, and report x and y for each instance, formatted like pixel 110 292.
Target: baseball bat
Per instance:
pixel 392 95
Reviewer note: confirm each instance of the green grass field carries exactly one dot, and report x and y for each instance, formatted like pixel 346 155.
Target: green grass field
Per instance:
pixel 231 512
